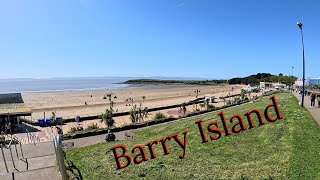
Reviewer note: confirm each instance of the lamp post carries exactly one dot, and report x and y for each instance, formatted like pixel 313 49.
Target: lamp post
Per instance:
pixel 303 76
pixel 197 91
pixel 109 95
pixel 292 79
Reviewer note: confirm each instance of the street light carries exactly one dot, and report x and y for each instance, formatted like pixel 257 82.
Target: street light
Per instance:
pixel 197 91
pixel 109 95
pixel 292 79
pixel 303 76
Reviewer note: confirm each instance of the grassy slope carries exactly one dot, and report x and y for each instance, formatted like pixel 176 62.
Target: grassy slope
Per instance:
pixel 285 149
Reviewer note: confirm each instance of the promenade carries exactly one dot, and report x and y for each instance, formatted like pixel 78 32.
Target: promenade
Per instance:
pixel 314 111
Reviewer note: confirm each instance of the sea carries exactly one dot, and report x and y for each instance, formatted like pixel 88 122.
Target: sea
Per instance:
pixel 70 84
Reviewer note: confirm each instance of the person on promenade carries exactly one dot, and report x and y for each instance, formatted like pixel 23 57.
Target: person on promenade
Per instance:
pixel 313 98
pixel 59 130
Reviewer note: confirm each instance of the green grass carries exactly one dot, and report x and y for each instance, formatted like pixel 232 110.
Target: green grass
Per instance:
pixel 286 149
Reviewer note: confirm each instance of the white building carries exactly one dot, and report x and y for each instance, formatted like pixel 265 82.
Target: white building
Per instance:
pixel 314 81
pixel 299 82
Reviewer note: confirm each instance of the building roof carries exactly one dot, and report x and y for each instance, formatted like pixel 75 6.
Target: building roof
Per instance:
pixel 315 78
pixel 12 104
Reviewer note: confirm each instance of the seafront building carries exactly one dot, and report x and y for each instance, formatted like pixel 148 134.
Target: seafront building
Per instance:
pixel 298 82
pixel 268 85
pixel 12 108
pixel 314 81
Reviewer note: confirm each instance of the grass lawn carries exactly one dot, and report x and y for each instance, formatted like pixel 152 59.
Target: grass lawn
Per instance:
pixel 288 148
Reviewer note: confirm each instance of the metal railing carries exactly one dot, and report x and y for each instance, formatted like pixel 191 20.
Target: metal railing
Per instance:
pixel 32 139
pixel 70 169
pixel 13 141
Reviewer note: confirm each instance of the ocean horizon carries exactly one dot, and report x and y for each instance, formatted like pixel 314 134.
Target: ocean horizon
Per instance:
pixel 27 85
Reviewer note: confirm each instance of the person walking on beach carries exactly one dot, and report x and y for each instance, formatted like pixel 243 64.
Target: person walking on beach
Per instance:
pixel 313 98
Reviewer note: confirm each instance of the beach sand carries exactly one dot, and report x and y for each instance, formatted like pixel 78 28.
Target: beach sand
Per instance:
pixel 71 104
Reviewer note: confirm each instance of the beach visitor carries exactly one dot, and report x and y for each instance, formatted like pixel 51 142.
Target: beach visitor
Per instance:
pixel 59 130
pixel 313 98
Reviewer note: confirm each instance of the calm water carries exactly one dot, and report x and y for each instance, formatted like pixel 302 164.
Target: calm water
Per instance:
pixel 76 84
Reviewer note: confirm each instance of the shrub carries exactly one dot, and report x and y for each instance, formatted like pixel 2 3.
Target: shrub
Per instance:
pixel 210 106
pixel 159 115
pixel 107 117
pixel 75 129
pixel 93 126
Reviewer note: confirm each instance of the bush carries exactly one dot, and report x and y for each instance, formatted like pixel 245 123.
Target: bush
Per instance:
pixel 210 106
pixel 93 126
pixel 75 129
pixel 159 115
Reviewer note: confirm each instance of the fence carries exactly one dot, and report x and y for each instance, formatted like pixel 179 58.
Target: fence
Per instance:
pixel 13 142
pixel 66 171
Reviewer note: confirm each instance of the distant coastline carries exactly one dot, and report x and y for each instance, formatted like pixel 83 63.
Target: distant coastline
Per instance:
pixel 29 85
pixel 175 82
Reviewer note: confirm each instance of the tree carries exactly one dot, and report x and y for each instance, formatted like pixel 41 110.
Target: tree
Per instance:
pixel 137 114
pixel 134 114
pixel 107 117
pixel 243 94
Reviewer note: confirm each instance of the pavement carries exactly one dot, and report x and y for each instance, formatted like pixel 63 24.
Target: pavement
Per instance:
pixel 38 161
pixel 314 111
pixel 87 141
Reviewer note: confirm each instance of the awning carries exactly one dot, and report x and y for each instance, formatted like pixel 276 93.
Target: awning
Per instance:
pixel 12 104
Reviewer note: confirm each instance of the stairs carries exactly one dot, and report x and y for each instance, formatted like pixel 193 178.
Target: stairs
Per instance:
pixel 35 161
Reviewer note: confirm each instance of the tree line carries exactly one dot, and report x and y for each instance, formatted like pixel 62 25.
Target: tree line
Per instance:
pixel 264 77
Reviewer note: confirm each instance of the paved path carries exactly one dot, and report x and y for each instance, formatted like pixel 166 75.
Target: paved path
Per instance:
pixel 314 111
pixel 41 162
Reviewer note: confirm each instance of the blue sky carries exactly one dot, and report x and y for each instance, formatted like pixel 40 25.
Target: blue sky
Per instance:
pixel 175 38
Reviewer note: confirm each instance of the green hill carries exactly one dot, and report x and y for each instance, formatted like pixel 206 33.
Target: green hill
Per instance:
pixel 160 81
pixel 285 149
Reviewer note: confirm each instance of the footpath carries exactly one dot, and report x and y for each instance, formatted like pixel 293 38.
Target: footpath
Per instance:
pixel 314 111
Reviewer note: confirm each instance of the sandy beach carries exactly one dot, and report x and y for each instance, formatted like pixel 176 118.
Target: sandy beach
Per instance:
pixel 71 104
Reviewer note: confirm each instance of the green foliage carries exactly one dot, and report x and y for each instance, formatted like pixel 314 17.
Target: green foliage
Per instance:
pixel 137 114
pixel 53 116
pixel 263 77
pixel 75 129
pixel 134 114
pixel 107 117
pixel 202 105
pixel 285 149
pixel 243 94
pixel 158 81
pixel 93 126
pixel 210 106
pixel 159 115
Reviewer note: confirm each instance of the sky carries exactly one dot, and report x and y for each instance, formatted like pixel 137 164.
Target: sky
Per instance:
pixel 214 39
